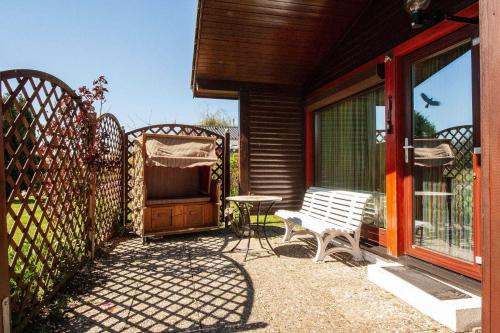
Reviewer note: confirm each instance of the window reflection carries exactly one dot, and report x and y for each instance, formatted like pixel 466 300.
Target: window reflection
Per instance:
pixel 442 137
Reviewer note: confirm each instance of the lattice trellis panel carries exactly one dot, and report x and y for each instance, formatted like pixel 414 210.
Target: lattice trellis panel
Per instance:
pixel 109 189
pixel 379 136
pixel 175 129
pixel 462 146
pixel 46 184
pixel 462 177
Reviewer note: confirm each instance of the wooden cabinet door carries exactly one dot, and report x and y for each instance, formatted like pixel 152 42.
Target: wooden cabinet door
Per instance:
pixel 194 215
pixel 208 214
pixel 161 218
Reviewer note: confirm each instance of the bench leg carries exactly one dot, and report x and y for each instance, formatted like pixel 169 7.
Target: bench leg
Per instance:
pixel 322 245
pixel 323 242
pixel 288 232
pixel 356 251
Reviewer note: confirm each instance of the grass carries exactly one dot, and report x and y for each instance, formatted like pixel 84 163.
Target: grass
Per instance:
pixel 25 215
pixel 271 220
pixel 34 222
pixel 34 237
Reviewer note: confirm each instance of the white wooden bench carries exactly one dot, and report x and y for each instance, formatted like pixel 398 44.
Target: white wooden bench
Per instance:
pixel 327 214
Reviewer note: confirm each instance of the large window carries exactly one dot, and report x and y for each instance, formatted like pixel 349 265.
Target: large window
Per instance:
pixel 350 148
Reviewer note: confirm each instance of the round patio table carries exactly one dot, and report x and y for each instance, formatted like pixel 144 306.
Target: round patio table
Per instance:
pixel 244 203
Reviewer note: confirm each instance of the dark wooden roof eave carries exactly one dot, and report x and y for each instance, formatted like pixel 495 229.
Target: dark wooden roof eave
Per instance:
pixel 230 89
pixel 195 49
pixel 258 51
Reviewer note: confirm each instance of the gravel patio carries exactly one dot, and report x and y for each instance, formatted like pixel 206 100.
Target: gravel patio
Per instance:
pixel 191 283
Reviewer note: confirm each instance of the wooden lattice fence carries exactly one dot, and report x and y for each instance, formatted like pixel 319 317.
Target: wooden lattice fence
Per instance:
pixel 58 206
pixel 109 178
pixel 47 211
pixel 221 169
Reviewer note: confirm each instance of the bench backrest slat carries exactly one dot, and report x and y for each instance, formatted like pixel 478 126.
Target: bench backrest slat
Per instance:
pixel 340 208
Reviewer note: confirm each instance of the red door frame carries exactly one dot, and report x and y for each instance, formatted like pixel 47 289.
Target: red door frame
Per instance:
pixel 396 174
pixel 490 139
pixel 470 269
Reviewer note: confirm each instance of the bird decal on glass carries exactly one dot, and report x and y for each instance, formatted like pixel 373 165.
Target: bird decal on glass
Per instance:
pixel 429 101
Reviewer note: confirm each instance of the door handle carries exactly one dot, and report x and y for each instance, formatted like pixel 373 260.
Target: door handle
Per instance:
pixel 407 147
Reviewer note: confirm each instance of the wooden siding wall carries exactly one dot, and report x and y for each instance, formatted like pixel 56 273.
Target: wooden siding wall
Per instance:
pixel 272 146
pixel 371 36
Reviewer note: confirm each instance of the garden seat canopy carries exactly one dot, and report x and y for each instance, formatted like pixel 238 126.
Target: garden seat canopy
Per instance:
pixel 178 151
pixel 433 152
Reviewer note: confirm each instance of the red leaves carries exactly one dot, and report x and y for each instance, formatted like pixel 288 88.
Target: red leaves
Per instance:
pixel 99 92
pixel 95 94
pixel 101 80
pixel 74 133
pixel 97 154
pixel 80 116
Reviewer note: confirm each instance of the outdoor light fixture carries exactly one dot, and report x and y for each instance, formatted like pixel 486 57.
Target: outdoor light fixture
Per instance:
pixel 419 17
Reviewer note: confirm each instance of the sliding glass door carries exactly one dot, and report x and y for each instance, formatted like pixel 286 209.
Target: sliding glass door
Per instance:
pixel 439 153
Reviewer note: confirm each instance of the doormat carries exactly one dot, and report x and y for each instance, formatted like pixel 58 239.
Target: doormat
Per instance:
pixel 429 285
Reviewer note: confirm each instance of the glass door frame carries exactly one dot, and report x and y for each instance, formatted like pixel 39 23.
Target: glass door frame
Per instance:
pixel 471 269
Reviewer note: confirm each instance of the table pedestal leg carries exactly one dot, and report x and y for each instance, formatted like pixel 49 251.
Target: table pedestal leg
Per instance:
pixel 258 227
pixel 248 244
pixel 242 219
pixel 246 223
pixel 264 230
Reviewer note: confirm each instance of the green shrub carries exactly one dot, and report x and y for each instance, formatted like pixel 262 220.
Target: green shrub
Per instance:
pixel 235 175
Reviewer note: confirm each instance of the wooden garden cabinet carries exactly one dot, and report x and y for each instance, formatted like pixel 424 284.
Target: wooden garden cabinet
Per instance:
pixel 172 185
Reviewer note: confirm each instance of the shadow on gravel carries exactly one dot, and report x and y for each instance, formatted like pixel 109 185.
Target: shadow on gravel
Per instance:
pixel 179 284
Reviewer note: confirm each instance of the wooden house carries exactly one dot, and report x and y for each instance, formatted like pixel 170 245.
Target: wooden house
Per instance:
pixel 337 93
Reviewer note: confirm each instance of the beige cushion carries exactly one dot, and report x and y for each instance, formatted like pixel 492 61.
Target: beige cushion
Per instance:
pixel 179 151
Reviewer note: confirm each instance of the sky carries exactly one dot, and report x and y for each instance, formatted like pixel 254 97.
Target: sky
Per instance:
pixel 143 48
pixel 452 88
